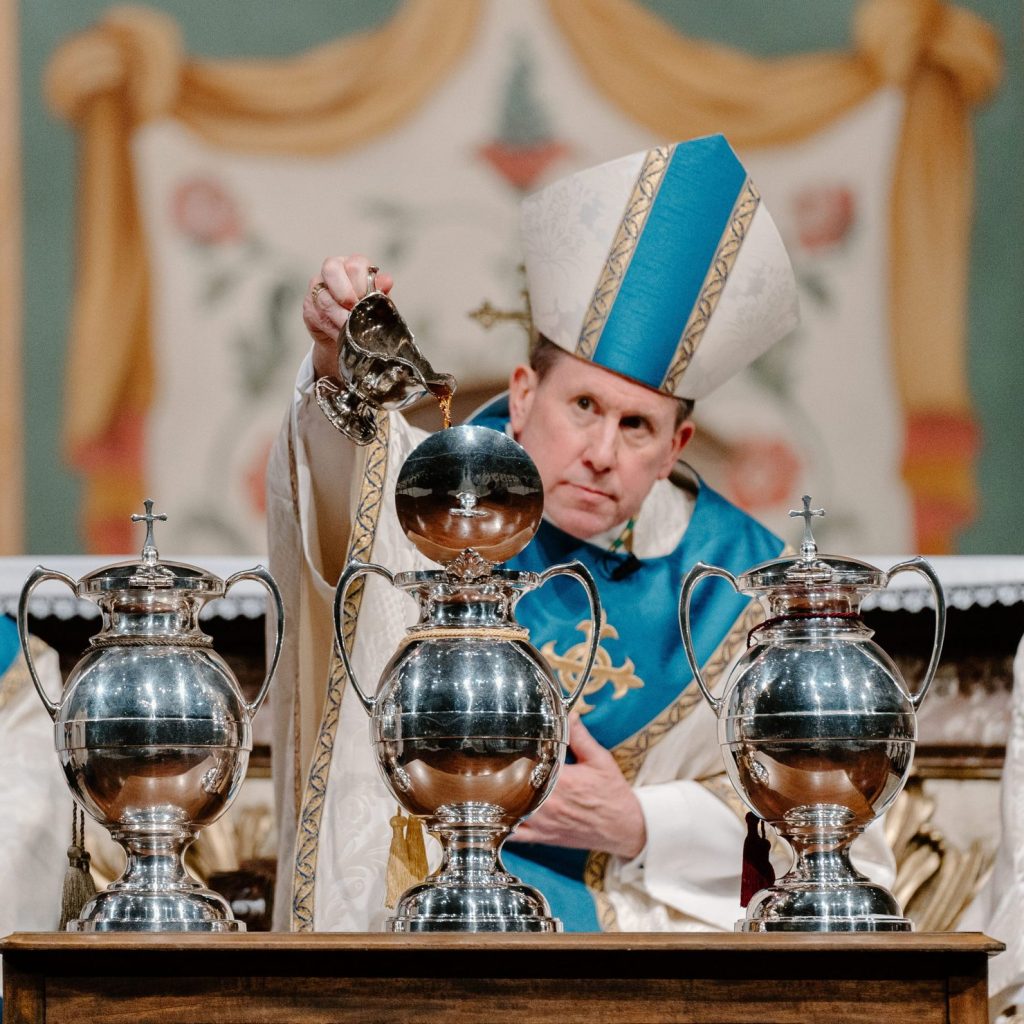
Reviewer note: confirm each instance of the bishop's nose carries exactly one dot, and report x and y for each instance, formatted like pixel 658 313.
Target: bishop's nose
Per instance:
pixel 602 446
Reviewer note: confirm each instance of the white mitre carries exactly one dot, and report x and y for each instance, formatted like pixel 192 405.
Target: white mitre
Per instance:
pixel 663 266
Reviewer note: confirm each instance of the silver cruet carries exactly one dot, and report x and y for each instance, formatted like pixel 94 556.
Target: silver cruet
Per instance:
pixel 379 367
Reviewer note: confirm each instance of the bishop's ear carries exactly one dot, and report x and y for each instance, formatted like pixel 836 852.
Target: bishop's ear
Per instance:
pixel 522 387
pixel 680 439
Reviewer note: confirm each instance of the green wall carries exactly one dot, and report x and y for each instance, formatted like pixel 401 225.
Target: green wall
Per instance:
pixel 225 28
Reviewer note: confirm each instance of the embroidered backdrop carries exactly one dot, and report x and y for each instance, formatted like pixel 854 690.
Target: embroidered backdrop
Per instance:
pixel 210 189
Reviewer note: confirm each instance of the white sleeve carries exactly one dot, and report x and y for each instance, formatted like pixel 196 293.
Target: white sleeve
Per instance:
pixel 305 378
pixel 313 488
pixel 326 465
pixel 694 852
pixel 309 484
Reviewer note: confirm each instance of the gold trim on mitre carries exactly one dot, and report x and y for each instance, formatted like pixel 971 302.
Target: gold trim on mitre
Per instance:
pixel 714 283
pixel 630 229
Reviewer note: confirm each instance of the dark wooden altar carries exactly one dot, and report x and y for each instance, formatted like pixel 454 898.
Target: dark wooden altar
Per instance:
pixel 697 978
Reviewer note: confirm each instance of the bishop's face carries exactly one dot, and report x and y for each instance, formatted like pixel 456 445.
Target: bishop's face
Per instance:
pixel 599 441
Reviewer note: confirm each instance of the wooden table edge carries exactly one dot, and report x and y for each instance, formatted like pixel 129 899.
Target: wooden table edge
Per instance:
pixel 725 942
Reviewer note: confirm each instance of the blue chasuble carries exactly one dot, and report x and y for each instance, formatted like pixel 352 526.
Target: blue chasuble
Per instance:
pixel 10 645
pixel 646 669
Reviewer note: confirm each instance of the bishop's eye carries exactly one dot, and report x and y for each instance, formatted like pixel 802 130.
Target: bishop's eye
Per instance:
pixel 636 423
pixel 585 403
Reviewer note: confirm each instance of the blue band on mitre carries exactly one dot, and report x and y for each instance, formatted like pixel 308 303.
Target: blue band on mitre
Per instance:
pixel 674 243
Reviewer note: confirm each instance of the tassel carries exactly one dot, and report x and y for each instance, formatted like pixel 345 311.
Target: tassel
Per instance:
pixel 79 886
pixel 758 872
pixel 407 858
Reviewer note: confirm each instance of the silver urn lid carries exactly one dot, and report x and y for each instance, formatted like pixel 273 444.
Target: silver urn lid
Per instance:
pixel 469 489
pixel 810 571
pixel 150 574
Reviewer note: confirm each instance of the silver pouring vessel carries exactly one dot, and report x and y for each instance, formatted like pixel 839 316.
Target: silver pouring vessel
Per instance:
pixel 817 729
pixel 468 723
pixel 152 732
pixel 379 367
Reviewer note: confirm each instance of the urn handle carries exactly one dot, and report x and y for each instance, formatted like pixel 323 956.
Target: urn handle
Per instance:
pixel 690 581
pixel 352 572
pixel 37 576
pixel 919 565
pixel 578 571
pixel 261 575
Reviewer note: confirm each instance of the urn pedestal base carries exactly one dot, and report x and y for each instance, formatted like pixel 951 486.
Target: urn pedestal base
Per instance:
pixel 156 893
pixel 126 911
pixel 440 907
pixel 850 906
pixel 471 891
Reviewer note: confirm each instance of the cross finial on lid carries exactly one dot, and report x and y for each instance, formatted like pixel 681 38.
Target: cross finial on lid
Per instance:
pixel 149 551
pixel 808 548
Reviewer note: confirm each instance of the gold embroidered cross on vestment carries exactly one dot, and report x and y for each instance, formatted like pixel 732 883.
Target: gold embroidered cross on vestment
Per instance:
pixel 568 666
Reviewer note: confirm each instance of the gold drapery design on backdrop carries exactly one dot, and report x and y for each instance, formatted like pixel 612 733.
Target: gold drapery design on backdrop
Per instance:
pixel 946 60
pixel 130 68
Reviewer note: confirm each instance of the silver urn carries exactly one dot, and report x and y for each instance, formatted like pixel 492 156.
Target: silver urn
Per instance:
pixel 817 729
pixel 153 733
pixel 468 722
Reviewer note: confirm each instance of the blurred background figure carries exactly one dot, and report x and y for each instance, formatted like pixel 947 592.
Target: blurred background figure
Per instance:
pixel 999 907
pixel 35 805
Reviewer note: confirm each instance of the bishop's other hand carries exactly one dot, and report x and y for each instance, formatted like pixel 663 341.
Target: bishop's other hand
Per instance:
pixel 593 806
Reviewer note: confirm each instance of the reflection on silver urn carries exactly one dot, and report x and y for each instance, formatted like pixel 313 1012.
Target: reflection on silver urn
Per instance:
pixel 817 729
pixel 153 733
pixel 468 723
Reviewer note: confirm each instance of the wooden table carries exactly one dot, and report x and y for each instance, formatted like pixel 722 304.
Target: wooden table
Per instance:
pixel 696 978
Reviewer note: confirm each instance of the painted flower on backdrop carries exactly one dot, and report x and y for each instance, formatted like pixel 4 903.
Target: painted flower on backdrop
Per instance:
pixel 246 294
pixel 763 473
pixel 824 218
pixel 254 477
pixel 205 212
